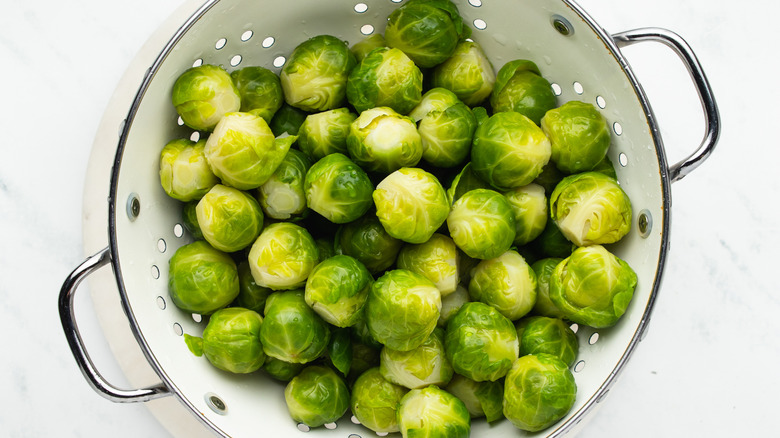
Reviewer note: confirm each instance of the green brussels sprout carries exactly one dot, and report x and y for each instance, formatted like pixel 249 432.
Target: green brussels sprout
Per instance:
pixel 465 181
pixel 447 135
pixel 468 73
pixel 316 396
pixel 291 330
pixel 419 367
pixel 281 370
pixel 544 269
pixel 260 91
pixel 340 350
pixel 402 309
pixel 325 133
pixel 282 196
pixel 480 342
pixel 283 256
pixel 591 208
pixel 364 357
pixel 592 286
pixel 231 340
pixel 375 401
pixel 436 259
pixel 434 100
pixel 451 303
pixel 606 167
pixel 243 152
pixel 411 204
pixel 507 283
pixel 203 94
pixel 541 334
pixel 362 334
pixel 184 173
pixel 578 134
pixel 315 76
pixel 338 189
pixel 337 289
pixel 550 177
pixel 482 224
pixel 538 391
pixel 189 218
pixel 509 150
pixel 202 279
pixel 362 48
pixel 521 88
pixel 366 240
pixel 325 248
pixel 230 219
pixel 381 140
pixel 287 120
pixel 432 412
pixel 428 31
pixel 250 295
pixel 552 243
pixel 385 77
pixel 482 399
pixel 529 205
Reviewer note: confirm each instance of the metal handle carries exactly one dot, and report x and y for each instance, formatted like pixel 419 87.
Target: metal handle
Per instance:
pixel 711 116
pixel 67 316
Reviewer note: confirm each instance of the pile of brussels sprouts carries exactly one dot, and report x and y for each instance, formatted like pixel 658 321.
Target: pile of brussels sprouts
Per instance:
pixel 396 230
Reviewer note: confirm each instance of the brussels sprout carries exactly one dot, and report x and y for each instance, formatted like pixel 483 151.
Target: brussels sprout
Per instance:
pixel 606 167
pixel 362 334
pixel 482 224
pixel 364 357
pixel 317 396
pixel 362 48
pixel 381 140
pixel 325 133
pixel 260 91
pixel 202 279
pixel 541 334
pixel 325 248
pixel 291 330
pixel 591 208
pixel 543 269
pixel 282 196
pixel 447 135
pixel 375 401
pixel 340 350
pixel 592 286
pixel 402 309
pixel 432 412
pixel 434 100
pixel 578 134
pixel 509 150
pixel 451 303
pixel 203 94
pixel 385 77
pixel 338 189
pixel 538 391
pixel 283 256
pixel 521 88
pixel 189 218
pixel 250 295
pixel 436 259
pixel 465 181
pixel 315 76
pixel 229 219
pixel 468 73
pixel 281 370
pixel 419 367
pixel 243 152
pixel 549 178
pixel 231 340
pixel 411 204
pixel 184 173
pixel 552 243
pixel 529 206
pixel 337 290
pixel 507 283
pixel 481 343
pixel 428 31
pixel 482 399
pixel 366 240
pixel 287 120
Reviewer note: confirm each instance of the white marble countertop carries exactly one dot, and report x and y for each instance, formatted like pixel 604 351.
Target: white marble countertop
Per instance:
pixel 707 366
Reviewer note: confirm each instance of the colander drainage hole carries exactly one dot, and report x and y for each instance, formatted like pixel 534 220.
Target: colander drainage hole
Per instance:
pixel 279 61
pixel 618 128
pixel 480 24
pixel 198 62
pixel 623 159
pixel 354 435
pixel 574 327
pixel 177 329
pixel 161 303
pixel 195 136
pixel 246 35
pixel 303 428
pixel 197 317
pixel 557 90
pixel 155 272
pixel 331 426
pixel 268 42
pixel 361 7
pixel 220 44
pixel 178 230
pixel 601 102
pixel 475 3
pixel 215 403
pixel 367 29
pixel 578 88
pixel 235 60
pixel 579 366
pixel 593 338
pixel 161 245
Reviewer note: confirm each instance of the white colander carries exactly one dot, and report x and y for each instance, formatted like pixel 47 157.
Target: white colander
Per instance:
pixel 578 57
